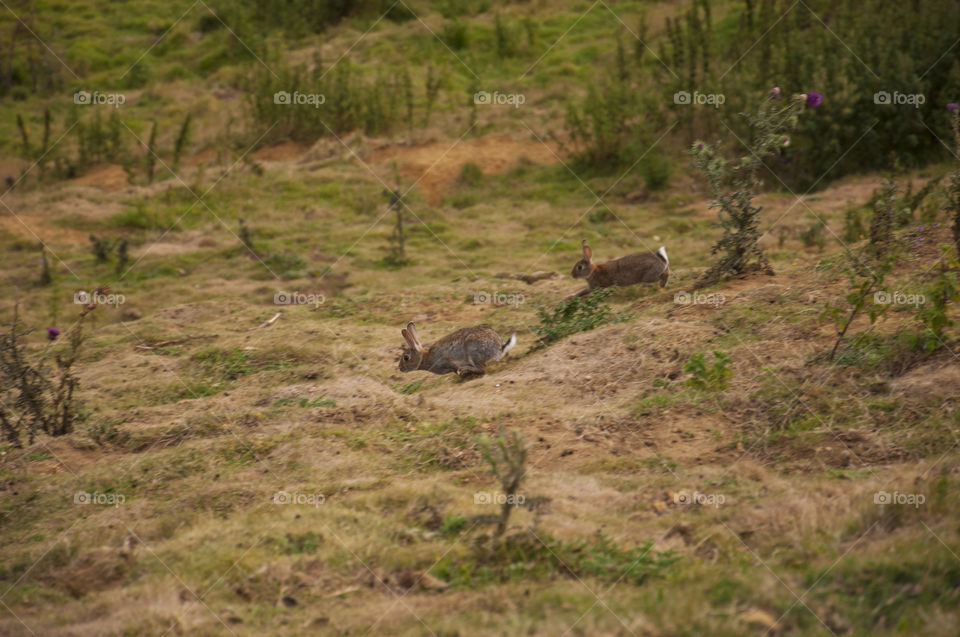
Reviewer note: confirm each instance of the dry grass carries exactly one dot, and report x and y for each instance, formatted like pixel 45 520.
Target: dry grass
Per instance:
pixel 198 418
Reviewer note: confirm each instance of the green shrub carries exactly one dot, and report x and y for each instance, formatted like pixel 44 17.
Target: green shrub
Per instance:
pixel 655 170
pixel 470 174
pixel 843 47
pixel 714 377
pixel 815 235
pixel 576 314
pixel 604 130
pixel 455 35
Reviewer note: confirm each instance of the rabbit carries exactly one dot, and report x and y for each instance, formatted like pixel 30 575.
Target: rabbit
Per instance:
pixel 645 267
pixel 465 351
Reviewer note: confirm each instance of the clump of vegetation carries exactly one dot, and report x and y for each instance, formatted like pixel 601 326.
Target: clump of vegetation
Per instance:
pixel 244 234
pixel 933 314
pixel 815 235
pixel 853 228
pixel 576 314
pixel 182 141
pixel 224 364
pixel 123 257
pixel 46 275
pixel 865 281
pixel 150 158
pixel 396 251
pixel 953 188
pixel 343 98
pixel 605 132
pixel 709 378
pixel 455 35
pixel 532 556
pixel 35 398
pixel 106 433
pixel 286 265
pixel 507 459
pixel 755 44
pixel 733 186
pixel 881 226
pixel 101 247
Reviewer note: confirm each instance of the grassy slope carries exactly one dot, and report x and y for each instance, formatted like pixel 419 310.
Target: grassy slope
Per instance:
pixel 198 436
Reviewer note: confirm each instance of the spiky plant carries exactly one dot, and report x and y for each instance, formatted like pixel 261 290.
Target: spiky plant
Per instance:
pixel 733 185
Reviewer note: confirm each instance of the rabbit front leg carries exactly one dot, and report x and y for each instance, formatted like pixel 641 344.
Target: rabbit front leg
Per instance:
pixel 467 368
pixel 585 291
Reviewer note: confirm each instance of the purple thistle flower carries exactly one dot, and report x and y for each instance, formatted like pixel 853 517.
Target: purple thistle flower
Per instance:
pixel 814 99
pixel 953 107
pixel 775 92
pixel 52 333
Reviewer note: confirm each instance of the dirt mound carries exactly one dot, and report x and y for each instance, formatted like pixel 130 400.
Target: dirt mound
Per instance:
pixel 27 227
pixel 437 164
pixel 284 151
pixel 107 177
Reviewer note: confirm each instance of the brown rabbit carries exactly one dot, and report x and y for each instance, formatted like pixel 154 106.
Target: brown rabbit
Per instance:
pixel 465 351
pixel 646 267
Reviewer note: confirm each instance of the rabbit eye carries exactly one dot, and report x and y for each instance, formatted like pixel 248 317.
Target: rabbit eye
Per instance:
pixel 406 357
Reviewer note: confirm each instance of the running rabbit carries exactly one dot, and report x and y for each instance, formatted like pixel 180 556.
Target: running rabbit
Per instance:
pixel 465 351
pixel 645 267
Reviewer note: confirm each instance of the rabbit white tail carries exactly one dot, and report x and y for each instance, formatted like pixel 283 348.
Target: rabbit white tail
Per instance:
pixel 662 253
pixel 508 345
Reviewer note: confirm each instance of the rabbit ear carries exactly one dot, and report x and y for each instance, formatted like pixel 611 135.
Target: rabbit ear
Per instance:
pixel 412 337
pixel 587 252
pixel 411 341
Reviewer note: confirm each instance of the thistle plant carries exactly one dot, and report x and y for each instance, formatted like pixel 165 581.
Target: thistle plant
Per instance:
pixel 36 399
pixel 733 185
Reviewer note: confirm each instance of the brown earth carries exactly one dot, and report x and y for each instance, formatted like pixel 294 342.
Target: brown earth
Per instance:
pixel 435 165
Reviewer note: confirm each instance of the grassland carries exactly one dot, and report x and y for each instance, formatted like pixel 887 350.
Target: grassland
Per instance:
pixel 288 479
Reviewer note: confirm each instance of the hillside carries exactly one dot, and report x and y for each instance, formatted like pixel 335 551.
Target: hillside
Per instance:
pixel 697 462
